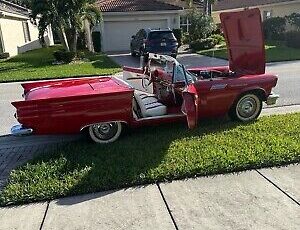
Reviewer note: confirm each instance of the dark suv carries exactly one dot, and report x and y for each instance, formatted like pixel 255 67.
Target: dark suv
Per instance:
pixel 154 41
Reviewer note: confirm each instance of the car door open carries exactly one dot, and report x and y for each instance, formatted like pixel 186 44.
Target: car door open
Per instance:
pixel 190 106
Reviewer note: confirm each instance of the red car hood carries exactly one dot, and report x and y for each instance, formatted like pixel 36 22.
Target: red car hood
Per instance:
pixel 245 43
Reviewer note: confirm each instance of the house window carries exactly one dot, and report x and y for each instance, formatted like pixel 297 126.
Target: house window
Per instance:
pixel 26 32
pixel 267 14
pixel 184 24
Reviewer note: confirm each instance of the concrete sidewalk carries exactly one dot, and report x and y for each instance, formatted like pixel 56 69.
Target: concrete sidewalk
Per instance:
pixel 258 199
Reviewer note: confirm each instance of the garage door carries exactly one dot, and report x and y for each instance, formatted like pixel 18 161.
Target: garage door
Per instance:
pixel 117 35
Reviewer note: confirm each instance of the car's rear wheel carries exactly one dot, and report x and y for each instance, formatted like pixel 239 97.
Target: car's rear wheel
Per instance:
pixel 104 133
pixel 247 108
pixel 133 54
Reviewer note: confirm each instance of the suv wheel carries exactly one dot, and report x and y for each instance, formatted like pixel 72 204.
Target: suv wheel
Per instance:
pixel 133 54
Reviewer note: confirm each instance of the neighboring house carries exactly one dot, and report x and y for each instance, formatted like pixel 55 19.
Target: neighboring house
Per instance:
pixel 17 33
pixel 184 20
pixel 123 18
pixel 268 8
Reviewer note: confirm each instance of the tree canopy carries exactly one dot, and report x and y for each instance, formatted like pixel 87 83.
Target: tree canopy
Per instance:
pixel 65 16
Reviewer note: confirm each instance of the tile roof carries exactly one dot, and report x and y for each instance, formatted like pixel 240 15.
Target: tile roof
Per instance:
pixel 13 8
pixel 134 5
pixel 233 4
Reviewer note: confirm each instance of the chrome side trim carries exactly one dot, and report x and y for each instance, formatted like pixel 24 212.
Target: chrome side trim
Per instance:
pixel 159 117
pixel 272 99
pixel 19 130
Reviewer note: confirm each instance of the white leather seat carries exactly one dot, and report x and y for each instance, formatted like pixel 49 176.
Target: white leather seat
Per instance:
pixel 149 105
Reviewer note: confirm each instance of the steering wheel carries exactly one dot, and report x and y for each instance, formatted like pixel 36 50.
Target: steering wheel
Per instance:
pixel 171 89
pixel 149 79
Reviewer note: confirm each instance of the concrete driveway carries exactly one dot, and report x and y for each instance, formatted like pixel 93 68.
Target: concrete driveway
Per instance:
pixel 189 60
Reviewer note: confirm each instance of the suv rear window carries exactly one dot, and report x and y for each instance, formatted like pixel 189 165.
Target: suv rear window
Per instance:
pixel 159 35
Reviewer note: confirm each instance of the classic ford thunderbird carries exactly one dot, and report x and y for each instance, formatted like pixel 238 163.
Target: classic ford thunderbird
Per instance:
pixel 168 92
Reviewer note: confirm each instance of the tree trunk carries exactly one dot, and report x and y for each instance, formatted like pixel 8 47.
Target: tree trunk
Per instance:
pixel 74 40
pixel 209 10
pixel 63 38
pixel 88 36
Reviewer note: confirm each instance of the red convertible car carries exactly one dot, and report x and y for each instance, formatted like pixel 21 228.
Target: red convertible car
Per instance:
pixel 168 91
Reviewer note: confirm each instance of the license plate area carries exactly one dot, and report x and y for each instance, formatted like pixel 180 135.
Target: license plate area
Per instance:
pixel 163 44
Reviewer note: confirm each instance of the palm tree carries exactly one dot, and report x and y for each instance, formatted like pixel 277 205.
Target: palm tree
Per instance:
pixel 207 4
pixel 50 12
pixel 25 3
pixel 65 16
pixel 82 15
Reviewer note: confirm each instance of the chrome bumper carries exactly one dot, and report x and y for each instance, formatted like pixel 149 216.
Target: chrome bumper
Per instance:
pixel 19 130
pixel 272 99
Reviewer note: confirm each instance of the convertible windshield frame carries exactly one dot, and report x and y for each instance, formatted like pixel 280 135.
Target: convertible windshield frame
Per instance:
pixel 167 59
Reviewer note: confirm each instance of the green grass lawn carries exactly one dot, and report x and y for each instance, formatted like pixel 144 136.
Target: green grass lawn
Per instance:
pixel 154 154
pixel 37 64
pixel 275 51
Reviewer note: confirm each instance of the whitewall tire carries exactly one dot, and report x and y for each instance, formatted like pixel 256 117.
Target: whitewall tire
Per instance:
pixel 247 108
pixel 104 133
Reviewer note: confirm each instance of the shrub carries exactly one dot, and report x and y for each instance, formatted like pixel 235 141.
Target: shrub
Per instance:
pixel 201 26
pixel 293 39
pixel 81 54
pixel 202 44
pixel 218 29
pixel 64 56
pixel 274 28
pixel 294 19
pixel 178 36
pixel 185 38
pixel 218 38
pixel 4 55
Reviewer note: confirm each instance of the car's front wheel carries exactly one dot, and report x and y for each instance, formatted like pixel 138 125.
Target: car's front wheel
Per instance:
pixel 247 108
pixel 104 133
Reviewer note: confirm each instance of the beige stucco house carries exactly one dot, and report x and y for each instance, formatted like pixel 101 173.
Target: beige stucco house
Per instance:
pixel 268 8
pixel 17 33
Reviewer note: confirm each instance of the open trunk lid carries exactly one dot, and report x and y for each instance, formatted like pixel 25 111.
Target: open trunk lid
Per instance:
pixel 244 36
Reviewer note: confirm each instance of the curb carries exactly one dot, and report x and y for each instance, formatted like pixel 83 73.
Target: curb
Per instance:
pixel 286 109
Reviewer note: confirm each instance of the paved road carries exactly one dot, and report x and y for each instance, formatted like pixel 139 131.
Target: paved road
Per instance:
pixel 288 85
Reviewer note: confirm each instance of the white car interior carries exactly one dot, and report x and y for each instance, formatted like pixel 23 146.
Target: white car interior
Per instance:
pixel 146 102
pixel 149 104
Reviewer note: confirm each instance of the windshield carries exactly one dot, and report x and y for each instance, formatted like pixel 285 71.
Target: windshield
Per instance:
pixel 182 75
pixel 161 35
pixel 173 67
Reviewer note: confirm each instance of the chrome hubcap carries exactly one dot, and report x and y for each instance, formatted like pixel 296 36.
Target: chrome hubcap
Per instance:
pixel 104 128
pixel 105 131
pixel 247 107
